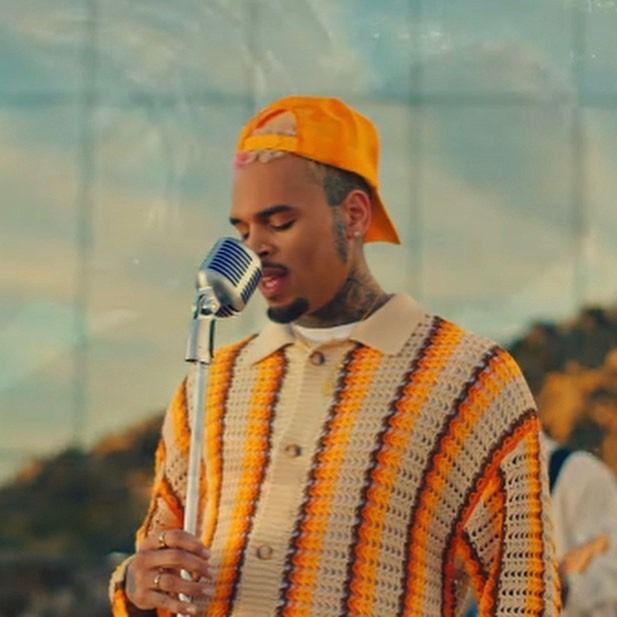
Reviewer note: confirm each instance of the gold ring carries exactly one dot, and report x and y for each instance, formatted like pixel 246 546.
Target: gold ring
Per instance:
pixel 161 540
pixel 157 580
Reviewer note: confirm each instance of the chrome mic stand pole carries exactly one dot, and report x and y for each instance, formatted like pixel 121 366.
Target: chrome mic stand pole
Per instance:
pixel 233 271
pixel 199 351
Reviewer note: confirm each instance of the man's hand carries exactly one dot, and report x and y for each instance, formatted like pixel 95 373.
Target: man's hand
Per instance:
pixel 153 577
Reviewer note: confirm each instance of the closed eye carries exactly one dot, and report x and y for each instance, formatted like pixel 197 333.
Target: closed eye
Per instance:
pixel 282 226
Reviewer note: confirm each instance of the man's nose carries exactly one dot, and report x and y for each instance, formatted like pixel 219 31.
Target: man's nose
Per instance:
pixel 259 244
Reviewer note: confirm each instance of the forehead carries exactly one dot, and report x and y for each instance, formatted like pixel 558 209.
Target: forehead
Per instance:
pixel 286 180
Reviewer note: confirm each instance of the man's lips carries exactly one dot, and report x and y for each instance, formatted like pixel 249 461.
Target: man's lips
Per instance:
pixel 272 280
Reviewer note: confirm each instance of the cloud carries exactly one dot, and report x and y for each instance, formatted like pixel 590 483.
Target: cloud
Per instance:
pixel 223 52
pixel 41 332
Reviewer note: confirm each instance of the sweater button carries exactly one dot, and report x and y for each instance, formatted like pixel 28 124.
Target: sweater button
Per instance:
pixel 317 358
pixel 293 450
pixel 265 551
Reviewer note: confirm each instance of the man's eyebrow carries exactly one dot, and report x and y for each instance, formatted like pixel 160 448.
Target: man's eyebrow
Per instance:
pixel 265 213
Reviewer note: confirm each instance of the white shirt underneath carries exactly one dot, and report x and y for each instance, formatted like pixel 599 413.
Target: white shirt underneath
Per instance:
pixel 325 335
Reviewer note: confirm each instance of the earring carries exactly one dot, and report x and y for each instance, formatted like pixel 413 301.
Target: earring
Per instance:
pixel 356 234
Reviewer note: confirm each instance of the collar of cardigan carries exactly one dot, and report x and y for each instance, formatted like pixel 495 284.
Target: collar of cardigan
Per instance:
pixel 386 330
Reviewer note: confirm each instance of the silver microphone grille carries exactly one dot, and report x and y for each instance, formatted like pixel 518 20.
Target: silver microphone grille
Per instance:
pixel 232 271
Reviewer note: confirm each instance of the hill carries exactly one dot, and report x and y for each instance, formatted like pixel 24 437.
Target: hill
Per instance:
pixel 81 504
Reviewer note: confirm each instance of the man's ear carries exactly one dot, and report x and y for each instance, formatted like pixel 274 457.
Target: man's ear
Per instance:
pixel 357 209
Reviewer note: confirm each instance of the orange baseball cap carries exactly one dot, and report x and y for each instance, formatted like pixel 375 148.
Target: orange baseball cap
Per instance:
pixel 328 131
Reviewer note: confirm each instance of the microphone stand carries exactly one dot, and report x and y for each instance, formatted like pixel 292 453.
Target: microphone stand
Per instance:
pixel 199 351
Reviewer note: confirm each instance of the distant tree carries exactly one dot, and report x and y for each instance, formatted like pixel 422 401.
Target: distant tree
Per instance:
pixel 80 503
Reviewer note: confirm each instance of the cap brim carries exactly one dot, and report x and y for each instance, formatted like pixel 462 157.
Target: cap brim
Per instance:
pixel 381 228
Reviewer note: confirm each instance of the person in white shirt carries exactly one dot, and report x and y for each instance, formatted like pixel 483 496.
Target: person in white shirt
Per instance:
pixel 584 495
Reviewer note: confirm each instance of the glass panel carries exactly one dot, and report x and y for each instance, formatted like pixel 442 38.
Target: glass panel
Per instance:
pixel 498 220
pixel 162 197
pixel 41 49
pixel 597 49
pixel 118 120
pixel 477 47
pixel 39 318
pixel 599 251
pixel 178 53
pixel 350 48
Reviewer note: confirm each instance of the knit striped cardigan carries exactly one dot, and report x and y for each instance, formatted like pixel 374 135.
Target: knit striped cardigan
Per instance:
pixel 412 476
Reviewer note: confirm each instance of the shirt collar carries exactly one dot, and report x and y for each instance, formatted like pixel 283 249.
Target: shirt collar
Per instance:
pixel 386 330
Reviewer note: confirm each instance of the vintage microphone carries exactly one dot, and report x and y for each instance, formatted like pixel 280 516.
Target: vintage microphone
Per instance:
pixel 226 279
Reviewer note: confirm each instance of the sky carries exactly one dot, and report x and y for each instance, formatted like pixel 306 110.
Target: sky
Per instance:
pixel 498 124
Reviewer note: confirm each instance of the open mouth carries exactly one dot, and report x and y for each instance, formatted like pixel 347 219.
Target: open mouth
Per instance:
pixel 273 280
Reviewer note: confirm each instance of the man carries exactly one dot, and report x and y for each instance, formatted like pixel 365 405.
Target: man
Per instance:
pixel 365 457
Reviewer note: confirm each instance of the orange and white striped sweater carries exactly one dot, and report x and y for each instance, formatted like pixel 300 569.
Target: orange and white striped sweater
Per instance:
pixel 377 476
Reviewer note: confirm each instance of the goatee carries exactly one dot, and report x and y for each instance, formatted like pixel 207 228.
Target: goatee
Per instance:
pixel 289 313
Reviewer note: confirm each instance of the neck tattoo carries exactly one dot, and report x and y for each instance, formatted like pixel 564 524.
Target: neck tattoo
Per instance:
pixel 358 298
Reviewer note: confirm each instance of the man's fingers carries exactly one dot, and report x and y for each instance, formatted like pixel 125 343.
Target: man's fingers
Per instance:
pixel 175 538
pixel 175 549
pixel 178 559
pixel 155 571
pixel 173 584
pixel 173 605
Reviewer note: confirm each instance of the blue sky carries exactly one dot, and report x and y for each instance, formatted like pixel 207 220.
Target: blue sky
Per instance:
pixel 477 103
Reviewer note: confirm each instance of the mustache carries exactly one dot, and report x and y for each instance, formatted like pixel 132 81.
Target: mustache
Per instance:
pixel 271 267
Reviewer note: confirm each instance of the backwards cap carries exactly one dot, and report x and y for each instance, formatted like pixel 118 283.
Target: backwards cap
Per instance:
pixel 328 131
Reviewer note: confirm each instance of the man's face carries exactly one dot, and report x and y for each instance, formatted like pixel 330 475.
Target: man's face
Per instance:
pixel 281 212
